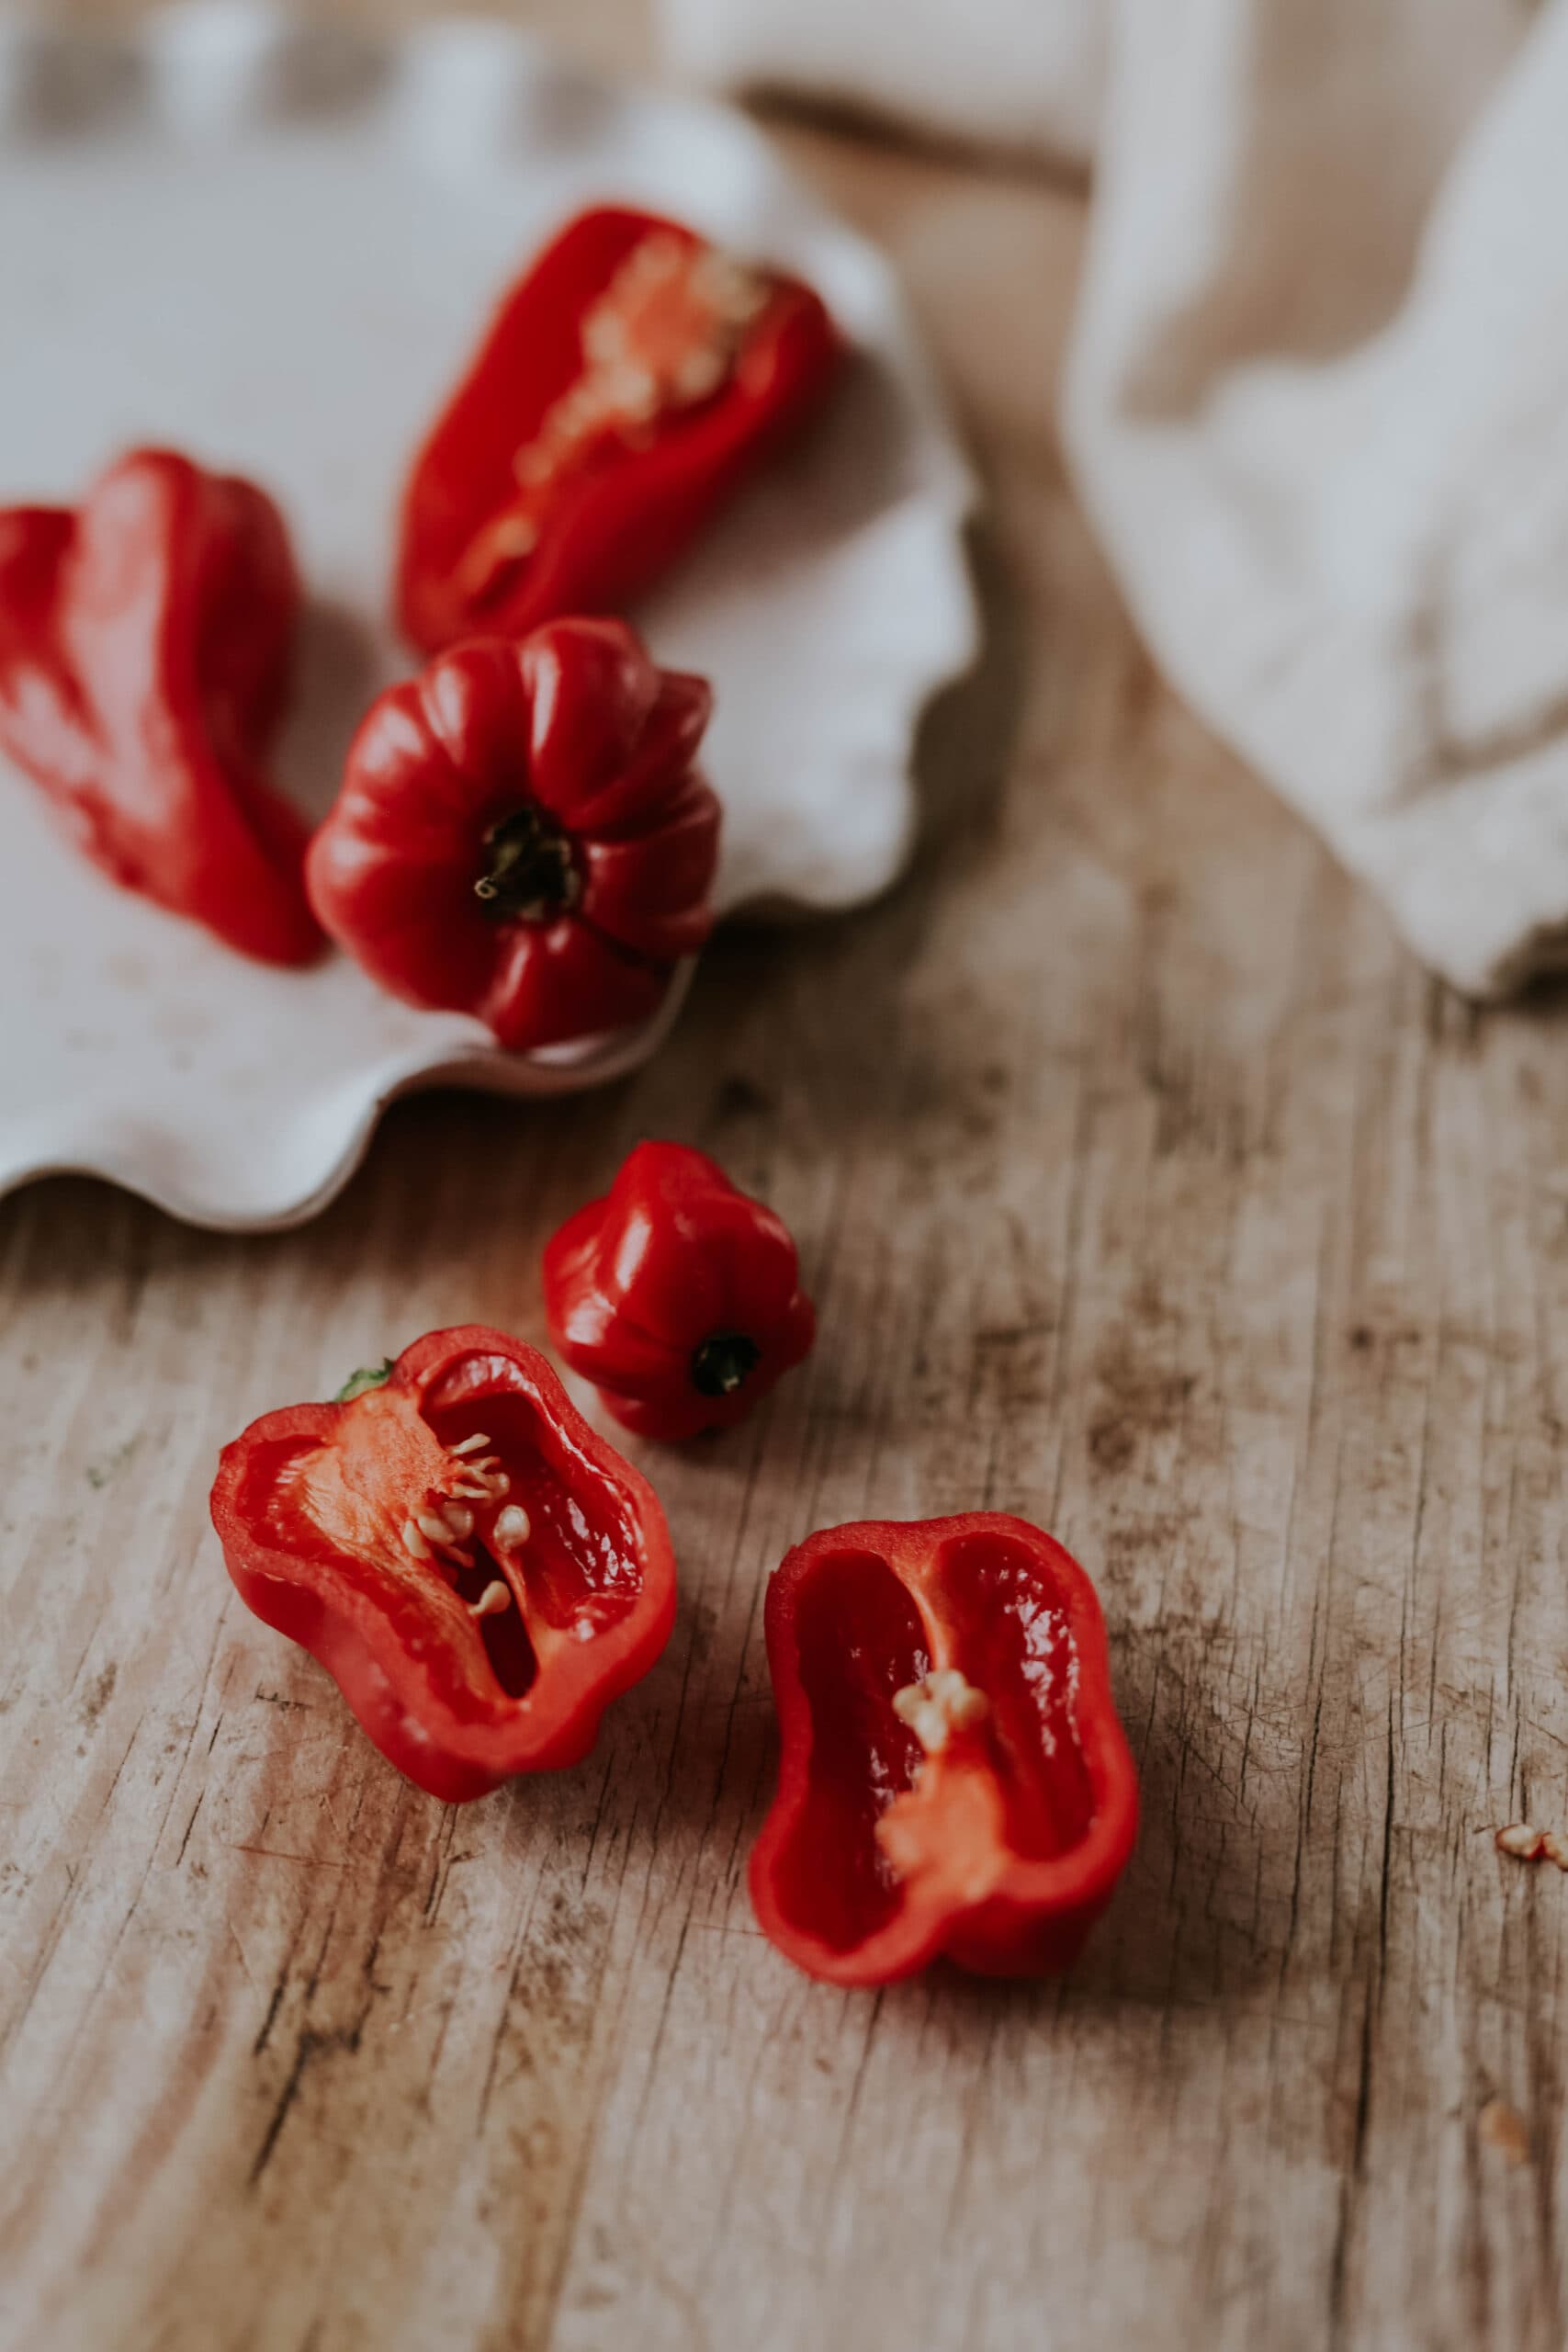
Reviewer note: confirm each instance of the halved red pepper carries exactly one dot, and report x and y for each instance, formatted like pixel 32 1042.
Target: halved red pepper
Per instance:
pixel 630 381
pixel 480 1573
pixel 520 834
pixel 677 1294
pixel 146 639
pixel 954 1778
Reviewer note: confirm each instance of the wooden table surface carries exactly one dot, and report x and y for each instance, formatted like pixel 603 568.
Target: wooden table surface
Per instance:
pixel 1147 1188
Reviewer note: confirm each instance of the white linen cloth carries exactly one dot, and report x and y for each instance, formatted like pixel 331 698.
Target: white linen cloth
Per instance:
pixel 1317 392
pixel 1021 74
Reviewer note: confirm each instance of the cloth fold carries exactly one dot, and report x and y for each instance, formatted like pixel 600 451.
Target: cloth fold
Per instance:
pixel 1316 402
pixel 1026 75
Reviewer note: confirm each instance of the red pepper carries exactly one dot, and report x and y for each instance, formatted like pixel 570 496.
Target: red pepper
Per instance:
pixel 480 1573
pixel 628 383
pixel 520 834
pixel 144 653
pixel 676 1294
pixel 954 1778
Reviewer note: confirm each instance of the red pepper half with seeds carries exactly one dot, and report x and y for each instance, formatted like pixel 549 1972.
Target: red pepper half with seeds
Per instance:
pixel 676 1296
pixel 520 834
pixel 630 382
pixel 954 1778
pixel 480 1573
pixel 144 654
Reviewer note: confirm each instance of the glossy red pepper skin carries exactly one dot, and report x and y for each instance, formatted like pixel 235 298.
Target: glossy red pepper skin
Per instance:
pixel 313 1506
pixel 520 834
pixel 996 1837
pixel 630 382
pixel 676 1296
pixel 144 655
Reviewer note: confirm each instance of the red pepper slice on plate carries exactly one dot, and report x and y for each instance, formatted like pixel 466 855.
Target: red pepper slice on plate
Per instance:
pixel 631 379
pixel 480 1573
pixel 676 1294
pixel 520 834
pixel 144 653
pixel 954 1778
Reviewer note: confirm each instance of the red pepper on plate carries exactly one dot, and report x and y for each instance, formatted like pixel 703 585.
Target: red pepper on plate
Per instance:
pixel 676 1296
pixel 953 1777
pixel 480 1573
pixel 144 653
pixel 520 834
pixel 630 381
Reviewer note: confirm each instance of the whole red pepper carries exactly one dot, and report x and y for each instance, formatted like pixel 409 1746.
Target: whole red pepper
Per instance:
pixel 953 1777
pixel 628 383
pixel 144 653
pixel 480 1573
pixel 676 1294
pixel 520 834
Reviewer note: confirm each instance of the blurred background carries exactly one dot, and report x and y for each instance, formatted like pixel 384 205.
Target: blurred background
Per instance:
pixel 1177 1155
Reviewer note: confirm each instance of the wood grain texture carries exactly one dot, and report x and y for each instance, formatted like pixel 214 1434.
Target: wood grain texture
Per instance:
pixel 1148 1189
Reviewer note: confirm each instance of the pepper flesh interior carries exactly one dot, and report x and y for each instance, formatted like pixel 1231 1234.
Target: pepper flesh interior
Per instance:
pixel 662 338
pixel 861 1639
pixel 1011 1635
pixel 348 1503
pixel 513 1658
pixel 881 1812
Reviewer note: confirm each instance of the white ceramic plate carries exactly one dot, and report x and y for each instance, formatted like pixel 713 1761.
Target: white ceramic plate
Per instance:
pixel 273 247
